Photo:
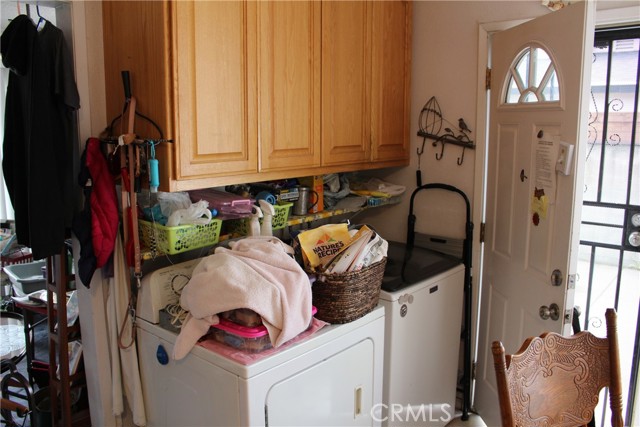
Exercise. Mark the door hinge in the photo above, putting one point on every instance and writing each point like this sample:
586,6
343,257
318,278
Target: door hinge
473,370
483,227
487,79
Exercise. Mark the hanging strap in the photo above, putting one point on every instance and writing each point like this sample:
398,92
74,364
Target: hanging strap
129,166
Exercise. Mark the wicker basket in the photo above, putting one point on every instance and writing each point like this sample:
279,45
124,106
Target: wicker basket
345,297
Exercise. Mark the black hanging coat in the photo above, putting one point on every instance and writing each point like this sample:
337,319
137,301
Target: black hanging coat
38,148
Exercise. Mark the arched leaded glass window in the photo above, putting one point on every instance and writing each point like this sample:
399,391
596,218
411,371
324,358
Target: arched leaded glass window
532,78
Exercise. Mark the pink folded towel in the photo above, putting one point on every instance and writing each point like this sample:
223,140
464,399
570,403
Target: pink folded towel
256,273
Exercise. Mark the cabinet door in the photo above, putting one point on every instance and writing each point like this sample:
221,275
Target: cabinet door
143,50
215,88
346,82
336,392
391,73
289,84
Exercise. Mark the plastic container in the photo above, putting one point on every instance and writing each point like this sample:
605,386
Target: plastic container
243,317
250,339
228,205
173,240
26,278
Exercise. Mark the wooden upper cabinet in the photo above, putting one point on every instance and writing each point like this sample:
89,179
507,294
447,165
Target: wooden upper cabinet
366,66
215,88
289,84
346,82
391,76
132,30
252,91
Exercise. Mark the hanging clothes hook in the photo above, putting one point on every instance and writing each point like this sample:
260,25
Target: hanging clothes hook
438,157
435,144
461,158
420,150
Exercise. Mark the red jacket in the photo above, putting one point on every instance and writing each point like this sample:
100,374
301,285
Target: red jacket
97,225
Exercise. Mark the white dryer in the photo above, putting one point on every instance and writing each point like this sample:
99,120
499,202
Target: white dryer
423,299
332,378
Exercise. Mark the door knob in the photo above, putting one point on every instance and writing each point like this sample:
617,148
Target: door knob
552,312
634,239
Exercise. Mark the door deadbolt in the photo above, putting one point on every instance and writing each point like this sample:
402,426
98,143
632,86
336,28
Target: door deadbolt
552,312
556,278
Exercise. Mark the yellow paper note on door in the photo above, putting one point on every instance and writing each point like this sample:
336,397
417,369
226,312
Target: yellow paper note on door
540,205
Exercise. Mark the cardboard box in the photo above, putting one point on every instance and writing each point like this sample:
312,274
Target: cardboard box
316,183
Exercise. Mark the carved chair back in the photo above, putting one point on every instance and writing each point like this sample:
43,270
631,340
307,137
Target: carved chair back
555,381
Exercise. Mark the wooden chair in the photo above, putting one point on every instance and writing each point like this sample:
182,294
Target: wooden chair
14,385
555,381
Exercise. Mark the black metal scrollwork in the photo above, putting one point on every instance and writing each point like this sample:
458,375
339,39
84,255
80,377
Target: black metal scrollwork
431,120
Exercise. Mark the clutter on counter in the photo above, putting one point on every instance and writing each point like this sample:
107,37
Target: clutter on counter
376,187
286,202
228,205
247,358
348,265
349,259
256,273
333,248
174,240
243,329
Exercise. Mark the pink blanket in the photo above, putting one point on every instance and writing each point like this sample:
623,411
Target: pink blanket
256,273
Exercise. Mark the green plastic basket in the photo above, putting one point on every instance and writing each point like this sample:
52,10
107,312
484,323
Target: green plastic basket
173,240
281,216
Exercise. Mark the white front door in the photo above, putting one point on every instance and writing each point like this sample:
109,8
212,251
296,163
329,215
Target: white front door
540,77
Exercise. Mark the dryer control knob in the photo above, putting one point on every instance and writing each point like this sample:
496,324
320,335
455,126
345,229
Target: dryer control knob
161,355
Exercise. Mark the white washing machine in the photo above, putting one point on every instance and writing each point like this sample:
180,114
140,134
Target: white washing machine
331,378
423,298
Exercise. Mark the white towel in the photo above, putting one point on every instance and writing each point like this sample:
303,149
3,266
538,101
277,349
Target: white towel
256,273
125,372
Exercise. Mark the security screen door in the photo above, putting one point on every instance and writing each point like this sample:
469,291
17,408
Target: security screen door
609,257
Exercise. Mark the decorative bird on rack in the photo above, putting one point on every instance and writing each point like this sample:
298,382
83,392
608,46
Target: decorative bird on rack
463,126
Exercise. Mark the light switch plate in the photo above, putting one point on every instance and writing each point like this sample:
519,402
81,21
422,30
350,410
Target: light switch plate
565,156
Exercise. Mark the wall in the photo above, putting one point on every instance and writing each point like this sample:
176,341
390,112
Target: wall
89,66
